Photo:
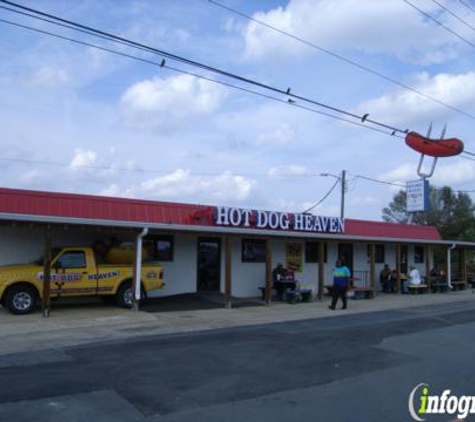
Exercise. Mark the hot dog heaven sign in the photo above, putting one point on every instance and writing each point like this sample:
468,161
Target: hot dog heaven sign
273,220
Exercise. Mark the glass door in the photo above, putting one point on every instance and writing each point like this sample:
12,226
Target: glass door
209,264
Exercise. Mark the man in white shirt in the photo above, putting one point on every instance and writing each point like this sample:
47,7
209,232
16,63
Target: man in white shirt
414,279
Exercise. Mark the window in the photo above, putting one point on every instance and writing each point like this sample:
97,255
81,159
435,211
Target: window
73,259
379,254
418,254
165,248
159,248
253,250
311,252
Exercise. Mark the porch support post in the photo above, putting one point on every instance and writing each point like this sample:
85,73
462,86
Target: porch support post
427,261
268,294
463,259
136,285
321,269
46,299
398,268
228,280
449,265
372,266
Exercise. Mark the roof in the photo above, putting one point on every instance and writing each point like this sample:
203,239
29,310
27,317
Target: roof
66,208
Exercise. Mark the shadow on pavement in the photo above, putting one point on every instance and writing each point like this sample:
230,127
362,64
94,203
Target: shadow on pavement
195,302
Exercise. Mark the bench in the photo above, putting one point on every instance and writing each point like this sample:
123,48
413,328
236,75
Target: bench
458,285
298,295
439,286
415,289
361,292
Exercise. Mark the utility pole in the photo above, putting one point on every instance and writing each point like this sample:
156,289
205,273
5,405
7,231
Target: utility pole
342,180
343,191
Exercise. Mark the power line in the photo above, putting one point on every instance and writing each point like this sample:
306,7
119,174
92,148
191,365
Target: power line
154,171
467,6
133,44
429,16
371,179
111,37
343,59
323,198
227,84
454,15
384,182
205,174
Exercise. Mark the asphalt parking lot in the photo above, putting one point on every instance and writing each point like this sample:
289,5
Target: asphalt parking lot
347,367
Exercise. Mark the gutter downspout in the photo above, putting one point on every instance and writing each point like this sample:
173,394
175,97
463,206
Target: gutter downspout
449,265
138,269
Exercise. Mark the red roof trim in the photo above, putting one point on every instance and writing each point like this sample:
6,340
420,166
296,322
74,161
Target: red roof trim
77,206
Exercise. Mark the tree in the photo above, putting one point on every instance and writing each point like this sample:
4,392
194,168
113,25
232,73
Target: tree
452,213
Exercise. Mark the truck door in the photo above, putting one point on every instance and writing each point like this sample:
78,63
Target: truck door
70,275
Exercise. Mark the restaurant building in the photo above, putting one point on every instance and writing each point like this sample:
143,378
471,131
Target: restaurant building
221,249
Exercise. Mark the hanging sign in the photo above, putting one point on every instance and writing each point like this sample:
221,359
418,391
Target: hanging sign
417,195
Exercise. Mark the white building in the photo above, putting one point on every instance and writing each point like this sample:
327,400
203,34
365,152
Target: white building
229,250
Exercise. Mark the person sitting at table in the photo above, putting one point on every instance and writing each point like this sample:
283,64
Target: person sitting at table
279,275
414,279
392,281
437,273
384,277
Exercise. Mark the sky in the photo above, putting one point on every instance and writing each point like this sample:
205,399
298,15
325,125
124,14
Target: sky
77,119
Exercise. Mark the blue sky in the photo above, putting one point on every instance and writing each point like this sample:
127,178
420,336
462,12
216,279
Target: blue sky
156,134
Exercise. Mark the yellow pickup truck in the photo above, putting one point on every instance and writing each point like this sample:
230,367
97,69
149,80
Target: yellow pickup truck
74,272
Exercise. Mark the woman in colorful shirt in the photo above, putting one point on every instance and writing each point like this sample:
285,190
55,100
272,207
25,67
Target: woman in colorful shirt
341,276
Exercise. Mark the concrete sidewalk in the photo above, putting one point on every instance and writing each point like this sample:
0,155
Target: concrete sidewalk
81,324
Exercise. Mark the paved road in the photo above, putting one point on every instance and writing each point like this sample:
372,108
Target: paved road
347,368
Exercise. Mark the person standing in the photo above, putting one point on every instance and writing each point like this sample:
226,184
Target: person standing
384,278
341,276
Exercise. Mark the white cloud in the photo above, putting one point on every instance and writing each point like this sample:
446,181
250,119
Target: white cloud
30,176
388,26
365,201
322,209
282,135
183,185
112,190
83,158
462,171
289,205
288,170
400,174
407,106
165,103
49,77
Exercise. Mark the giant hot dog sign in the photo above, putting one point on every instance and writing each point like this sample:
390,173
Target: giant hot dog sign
273,220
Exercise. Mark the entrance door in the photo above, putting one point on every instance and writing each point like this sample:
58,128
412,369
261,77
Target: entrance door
345,253
209,264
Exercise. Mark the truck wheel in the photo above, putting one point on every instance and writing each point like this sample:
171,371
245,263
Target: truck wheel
124,295
20,300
